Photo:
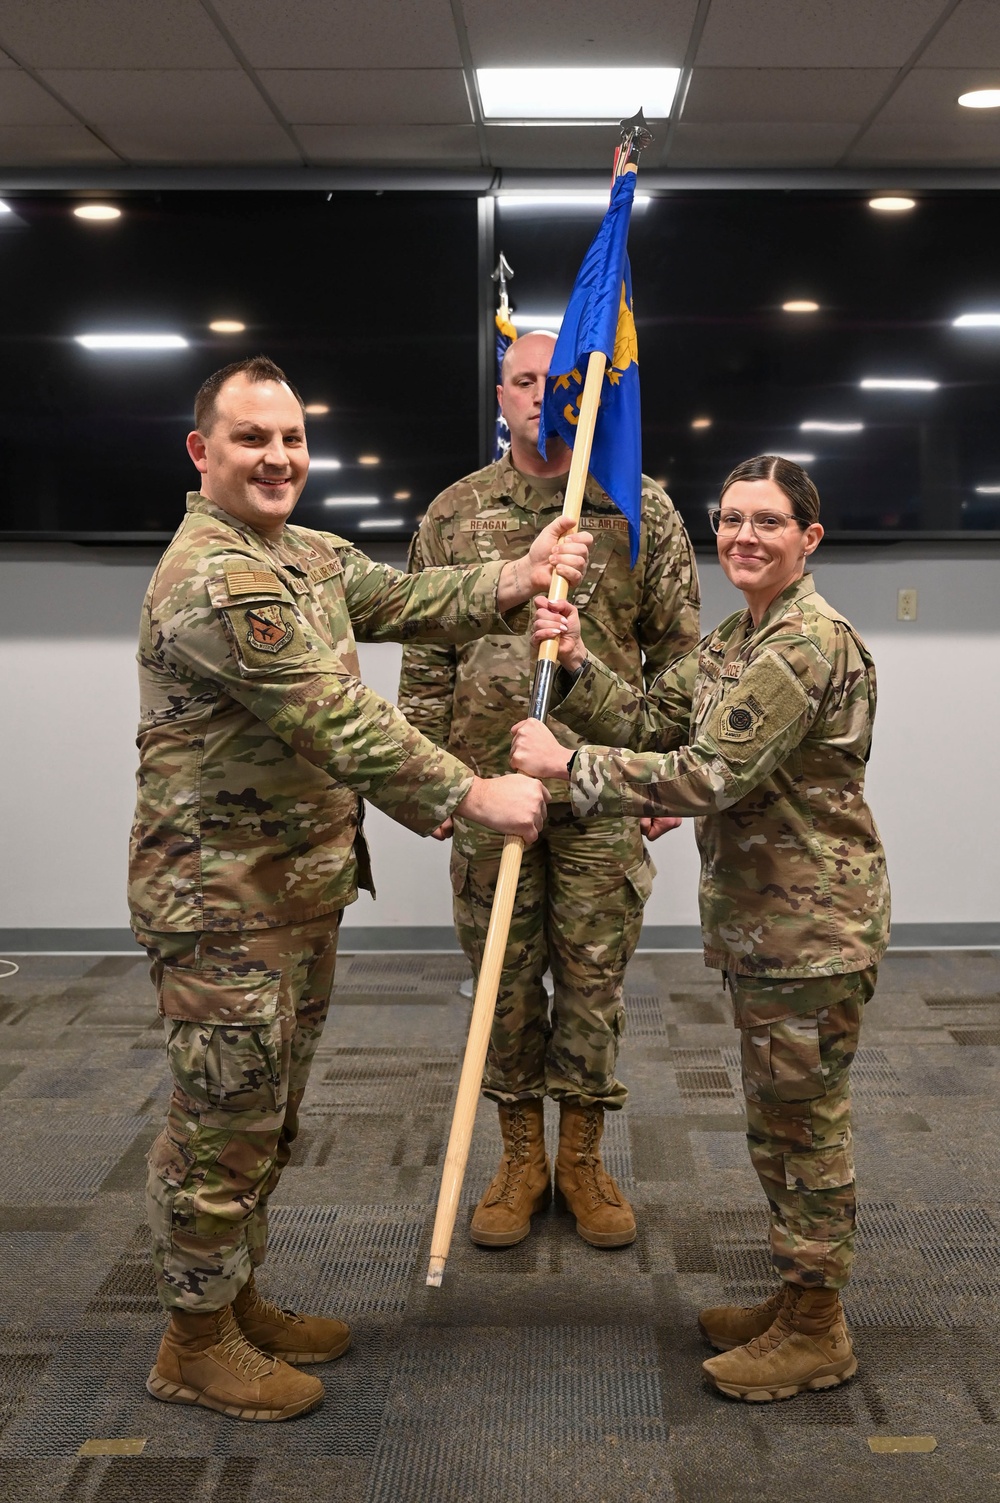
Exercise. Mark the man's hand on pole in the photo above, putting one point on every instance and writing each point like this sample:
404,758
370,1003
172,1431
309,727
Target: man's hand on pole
511,805
558,549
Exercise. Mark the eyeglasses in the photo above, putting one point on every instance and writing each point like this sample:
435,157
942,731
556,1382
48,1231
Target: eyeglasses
766,524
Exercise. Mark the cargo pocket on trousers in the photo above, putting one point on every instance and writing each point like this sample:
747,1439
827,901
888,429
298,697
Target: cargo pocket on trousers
638,890
224,1037
820,1168
784,1058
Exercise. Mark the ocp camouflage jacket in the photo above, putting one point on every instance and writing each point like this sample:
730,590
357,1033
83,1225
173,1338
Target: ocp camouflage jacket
257,736
777,721
636,620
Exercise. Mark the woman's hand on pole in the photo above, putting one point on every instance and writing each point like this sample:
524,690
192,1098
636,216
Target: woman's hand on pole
557,618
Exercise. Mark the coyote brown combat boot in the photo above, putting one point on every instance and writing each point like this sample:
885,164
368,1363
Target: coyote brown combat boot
603,1216
521,1185
726,1326
205,1359
299,1339
807,1347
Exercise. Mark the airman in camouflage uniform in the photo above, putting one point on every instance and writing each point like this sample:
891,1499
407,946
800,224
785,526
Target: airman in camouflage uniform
583,886
257,742
762,733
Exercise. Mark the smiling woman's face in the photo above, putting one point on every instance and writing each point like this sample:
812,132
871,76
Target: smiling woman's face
763,566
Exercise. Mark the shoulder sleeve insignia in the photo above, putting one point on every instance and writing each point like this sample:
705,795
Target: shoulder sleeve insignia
270,629
763,704
241,580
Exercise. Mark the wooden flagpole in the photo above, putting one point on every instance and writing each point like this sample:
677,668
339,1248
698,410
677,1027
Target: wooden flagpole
635,135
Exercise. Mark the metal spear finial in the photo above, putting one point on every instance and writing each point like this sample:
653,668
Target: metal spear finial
636,136
503,274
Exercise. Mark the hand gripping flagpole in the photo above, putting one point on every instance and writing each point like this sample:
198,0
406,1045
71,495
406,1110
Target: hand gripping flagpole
635,136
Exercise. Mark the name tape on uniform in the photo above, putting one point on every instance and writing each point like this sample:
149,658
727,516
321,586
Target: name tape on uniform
490,524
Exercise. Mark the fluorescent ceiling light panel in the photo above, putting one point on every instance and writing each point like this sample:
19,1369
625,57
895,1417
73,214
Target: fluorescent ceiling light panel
897,383
576,93
794,457
132,341
563,200
5,208
977,321
815,425
324,464
351,501
525,322
988,490
384,522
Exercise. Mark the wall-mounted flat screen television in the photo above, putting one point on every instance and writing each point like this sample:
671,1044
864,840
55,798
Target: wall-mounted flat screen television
864,343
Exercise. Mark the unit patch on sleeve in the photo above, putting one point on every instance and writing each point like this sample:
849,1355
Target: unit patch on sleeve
270,630
764,702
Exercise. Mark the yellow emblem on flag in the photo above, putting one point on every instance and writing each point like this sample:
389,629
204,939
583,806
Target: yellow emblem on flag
626,350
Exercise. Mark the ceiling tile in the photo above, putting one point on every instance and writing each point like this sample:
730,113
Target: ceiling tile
369,96
645,33
343,33
955,144
24,102
112,34
552,145
52,146
391,146
814,33
770,144
177,116
971,34
730,95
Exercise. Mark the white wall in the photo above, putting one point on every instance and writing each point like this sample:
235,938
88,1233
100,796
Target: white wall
68,712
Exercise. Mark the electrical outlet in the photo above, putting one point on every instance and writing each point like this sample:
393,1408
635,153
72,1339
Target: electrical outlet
906,605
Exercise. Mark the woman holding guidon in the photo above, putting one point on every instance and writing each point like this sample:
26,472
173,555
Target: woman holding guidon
762,732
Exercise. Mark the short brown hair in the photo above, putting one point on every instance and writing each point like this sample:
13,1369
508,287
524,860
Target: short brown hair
255,368
790,478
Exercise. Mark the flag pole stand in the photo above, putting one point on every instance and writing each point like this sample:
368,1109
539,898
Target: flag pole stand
635,137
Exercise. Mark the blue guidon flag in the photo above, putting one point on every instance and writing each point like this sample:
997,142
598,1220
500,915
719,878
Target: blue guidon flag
599,317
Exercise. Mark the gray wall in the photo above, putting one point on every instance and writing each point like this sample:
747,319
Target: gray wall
68,619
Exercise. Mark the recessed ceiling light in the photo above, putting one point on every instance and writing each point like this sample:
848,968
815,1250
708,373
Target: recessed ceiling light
898,383
980,99
816,425
892,203
401,495
368,459
227,326
97,211
317,409
800,305
564,200
794,457
381,522
977,321
701,422
132,341
351,501
576,93
324,464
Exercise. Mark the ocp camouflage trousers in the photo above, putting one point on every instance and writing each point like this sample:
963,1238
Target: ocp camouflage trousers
578,911
798,1039
242,1015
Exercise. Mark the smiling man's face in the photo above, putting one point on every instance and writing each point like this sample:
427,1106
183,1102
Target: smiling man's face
253,460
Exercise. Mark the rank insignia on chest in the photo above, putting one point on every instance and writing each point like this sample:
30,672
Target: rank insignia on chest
242,581
269,629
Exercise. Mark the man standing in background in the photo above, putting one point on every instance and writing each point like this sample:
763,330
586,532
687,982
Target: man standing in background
257,743
583,885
